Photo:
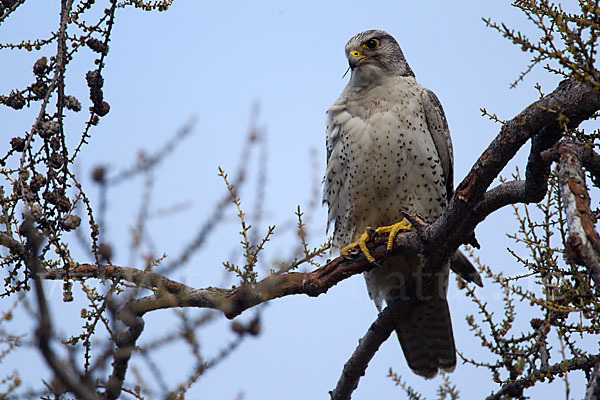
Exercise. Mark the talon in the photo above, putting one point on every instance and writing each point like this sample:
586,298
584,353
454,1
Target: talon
372,232
393,230
362,244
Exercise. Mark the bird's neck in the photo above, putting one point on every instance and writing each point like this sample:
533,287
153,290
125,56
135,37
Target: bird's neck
363,78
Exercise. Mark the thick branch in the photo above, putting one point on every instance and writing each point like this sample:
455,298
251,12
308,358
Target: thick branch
13,245
575,101
583,243
589,158
593,387
572,99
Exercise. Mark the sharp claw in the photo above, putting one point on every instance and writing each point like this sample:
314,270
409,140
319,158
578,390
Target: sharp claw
372,231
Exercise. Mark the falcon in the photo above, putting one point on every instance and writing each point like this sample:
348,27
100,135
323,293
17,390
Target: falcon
389,153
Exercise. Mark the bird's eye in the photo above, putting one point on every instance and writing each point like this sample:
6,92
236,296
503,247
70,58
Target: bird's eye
371,44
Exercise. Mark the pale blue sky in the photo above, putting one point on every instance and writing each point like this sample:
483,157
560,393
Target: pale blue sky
213,61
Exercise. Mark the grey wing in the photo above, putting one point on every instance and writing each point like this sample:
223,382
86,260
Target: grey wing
438,127
333,181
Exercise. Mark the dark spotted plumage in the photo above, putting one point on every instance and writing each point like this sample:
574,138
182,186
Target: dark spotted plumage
389,152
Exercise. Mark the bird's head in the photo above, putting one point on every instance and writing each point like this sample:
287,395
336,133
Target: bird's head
377,53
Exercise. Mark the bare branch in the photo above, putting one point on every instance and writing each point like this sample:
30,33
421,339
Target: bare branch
13,245
231,302
583,243
125,346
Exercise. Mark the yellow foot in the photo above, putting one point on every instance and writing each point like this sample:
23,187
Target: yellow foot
402,226
362,244
367,235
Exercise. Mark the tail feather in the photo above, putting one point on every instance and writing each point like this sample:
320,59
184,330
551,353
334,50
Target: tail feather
426,338
463,267
426,333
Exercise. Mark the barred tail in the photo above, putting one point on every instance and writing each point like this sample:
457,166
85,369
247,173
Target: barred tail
426,338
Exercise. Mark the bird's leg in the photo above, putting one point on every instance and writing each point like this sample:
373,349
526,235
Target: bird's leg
369,233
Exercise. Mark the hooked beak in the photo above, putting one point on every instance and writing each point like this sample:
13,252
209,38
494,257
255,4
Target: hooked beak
355,58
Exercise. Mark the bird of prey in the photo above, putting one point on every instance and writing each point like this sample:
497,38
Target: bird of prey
389,154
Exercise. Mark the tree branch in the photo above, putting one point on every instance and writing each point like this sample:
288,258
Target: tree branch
378,332
570,99
10,9
232,302
593,388
583,243
14,246
515,389
472,202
